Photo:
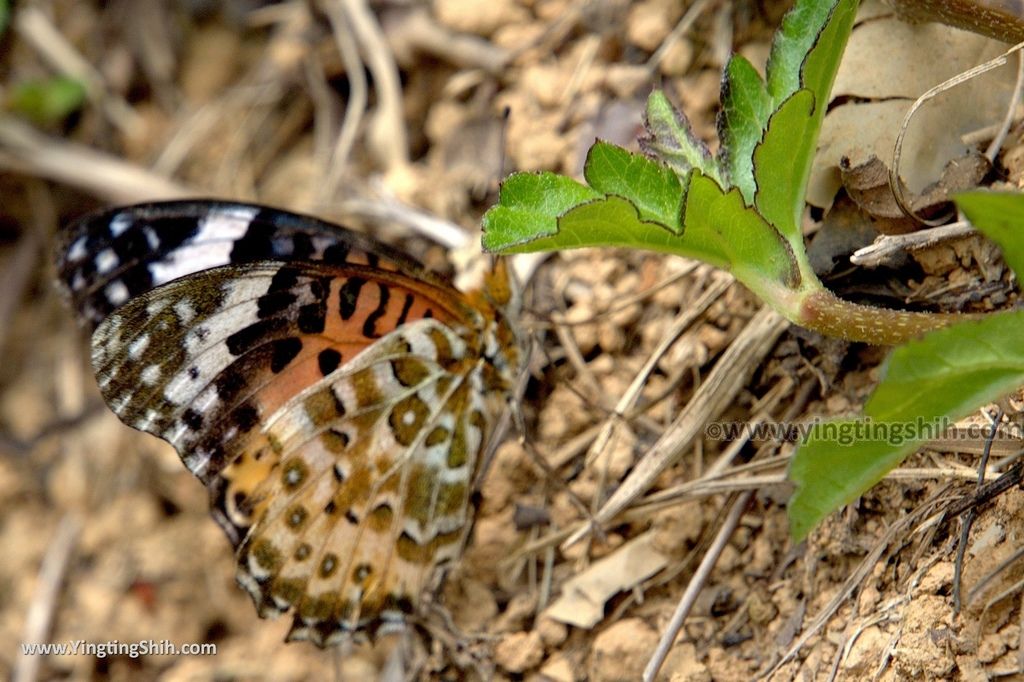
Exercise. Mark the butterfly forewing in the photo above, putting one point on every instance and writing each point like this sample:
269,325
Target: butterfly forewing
334,399
109,257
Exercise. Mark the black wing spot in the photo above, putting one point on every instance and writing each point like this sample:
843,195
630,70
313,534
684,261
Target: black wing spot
284,279
350,296
302,246
246,416
312,318
257,332
274,302
192,419
230,383
336,253
284,351
370,325
339,475
406,307
329,360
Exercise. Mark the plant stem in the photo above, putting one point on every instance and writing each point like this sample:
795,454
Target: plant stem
824,312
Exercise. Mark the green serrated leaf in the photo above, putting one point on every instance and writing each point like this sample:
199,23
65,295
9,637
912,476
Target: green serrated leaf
746,107
608,221
47,101
780,170
1000,216
529,207
544,211
615,221
550,193
819,68
802,67
654,189
671,138
945,375
800,31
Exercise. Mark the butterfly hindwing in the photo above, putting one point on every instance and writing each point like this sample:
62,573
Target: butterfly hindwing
373,485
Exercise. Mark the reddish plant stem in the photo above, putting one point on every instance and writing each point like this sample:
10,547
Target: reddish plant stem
824,312
999,19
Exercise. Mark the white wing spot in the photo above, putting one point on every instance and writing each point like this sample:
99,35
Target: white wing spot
118,404
77,251
151,239
106,260
210,248
151,418
150,375
184,310
120,223
137,347
117,293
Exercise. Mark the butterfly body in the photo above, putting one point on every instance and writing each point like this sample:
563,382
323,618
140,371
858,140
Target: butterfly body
335,398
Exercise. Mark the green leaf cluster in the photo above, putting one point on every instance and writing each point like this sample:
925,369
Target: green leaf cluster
739,210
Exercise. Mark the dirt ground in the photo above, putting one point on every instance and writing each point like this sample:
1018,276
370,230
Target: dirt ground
104,535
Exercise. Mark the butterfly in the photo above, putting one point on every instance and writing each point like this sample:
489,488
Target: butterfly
334,397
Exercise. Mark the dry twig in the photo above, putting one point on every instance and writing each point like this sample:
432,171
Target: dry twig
388,135
696,583
25,150
44,601
720,388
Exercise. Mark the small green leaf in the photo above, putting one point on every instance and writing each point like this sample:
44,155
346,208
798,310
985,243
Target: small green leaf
801,31
944,375
653,188
549,193
544,211
1000,215
671,138
5,15
529,207
608,221
719,221
746,108
47,101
